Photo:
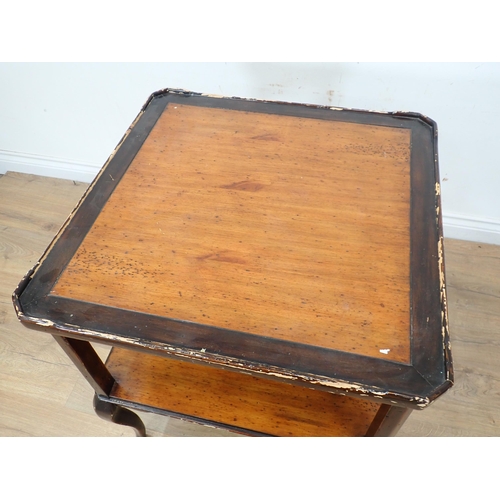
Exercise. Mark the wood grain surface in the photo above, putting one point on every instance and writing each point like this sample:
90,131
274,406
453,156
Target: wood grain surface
235,399
42,393
279,226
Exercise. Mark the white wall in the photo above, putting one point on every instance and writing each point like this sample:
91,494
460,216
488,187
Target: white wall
64,119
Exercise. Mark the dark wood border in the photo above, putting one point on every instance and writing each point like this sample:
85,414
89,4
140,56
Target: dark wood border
414,385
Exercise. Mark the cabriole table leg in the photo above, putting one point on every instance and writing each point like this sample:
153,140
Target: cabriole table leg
119,415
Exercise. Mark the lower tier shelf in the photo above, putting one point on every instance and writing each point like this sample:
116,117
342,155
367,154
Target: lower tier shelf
234,400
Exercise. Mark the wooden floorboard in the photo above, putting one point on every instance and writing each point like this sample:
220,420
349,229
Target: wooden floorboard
42,394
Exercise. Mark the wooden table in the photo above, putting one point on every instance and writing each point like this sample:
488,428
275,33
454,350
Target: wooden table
270,268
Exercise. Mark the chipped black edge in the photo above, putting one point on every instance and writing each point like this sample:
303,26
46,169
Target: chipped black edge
442,347
327,384
188,93
448,360
19,290
446,343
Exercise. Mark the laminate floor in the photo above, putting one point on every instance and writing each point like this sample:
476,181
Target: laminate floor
42,393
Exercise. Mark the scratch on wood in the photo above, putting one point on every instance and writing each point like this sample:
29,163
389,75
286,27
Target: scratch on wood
266,137
245,186
222,256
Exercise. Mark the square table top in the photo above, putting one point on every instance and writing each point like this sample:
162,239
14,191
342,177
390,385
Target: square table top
286,240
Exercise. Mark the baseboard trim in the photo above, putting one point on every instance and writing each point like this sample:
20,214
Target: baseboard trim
455,226
47,166
461,227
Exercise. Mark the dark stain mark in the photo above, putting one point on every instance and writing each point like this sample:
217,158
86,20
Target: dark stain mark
266,137
221,257
244,186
